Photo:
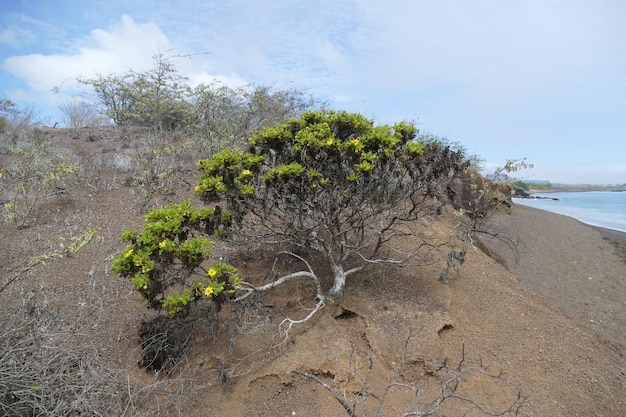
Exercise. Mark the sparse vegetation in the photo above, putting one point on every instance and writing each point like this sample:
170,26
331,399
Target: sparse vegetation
176,120
323,194
15,123
36,171
215,116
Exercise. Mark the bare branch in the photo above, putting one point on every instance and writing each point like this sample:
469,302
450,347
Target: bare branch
448,378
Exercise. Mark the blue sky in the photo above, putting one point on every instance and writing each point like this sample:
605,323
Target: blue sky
543,80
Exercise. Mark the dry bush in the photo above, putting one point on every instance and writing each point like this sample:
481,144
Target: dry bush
51,365
47,369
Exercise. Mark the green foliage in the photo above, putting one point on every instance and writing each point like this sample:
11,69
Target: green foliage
546,186
520,184
161,260
327,179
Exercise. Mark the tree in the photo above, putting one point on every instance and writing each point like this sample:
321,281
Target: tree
226,117
219,116
334,183
7,108
330,182
157,98
15,122
78,113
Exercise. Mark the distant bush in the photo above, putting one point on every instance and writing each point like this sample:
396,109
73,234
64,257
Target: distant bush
79,113
15,123
226,117
155,99
538,186
217,116
158,162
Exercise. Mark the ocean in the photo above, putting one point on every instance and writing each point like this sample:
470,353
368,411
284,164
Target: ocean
598,208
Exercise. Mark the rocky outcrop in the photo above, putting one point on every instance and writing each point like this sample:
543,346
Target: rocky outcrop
477,195
521,193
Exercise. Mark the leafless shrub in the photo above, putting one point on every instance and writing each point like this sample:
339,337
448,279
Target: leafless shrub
50,365
160,164
123,163
79,113
45,372
37,171
16,124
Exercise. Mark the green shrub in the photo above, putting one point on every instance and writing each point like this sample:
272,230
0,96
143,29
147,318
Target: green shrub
161,260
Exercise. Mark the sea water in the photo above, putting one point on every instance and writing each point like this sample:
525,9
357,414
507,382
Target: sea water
598,208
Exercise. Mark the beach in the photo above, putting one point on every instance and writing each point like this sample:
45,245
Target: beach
581,268
616,236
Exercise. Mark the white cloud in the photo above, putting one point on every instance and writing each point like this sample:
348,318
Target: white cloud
127,45
510,79
495,51
15,37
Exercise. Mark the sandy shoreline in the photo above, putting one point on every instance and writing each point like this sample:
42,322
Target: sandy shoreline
580,267
616,236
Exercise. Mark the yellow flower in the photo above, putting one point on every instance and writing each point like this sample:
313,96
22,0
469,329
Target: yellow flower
329,142
197,188
246,172
212,272
130,252
163,244
208,292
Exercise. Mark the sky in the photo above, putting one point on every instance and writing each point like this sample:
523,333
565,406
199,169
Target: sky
543,80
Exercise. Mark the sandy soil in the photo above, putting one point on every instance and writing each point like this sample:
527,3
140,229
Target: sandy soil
580,267
550,326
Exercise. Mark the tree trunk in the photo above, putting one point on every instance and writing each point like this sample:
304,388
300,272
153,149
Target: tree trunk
340,279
